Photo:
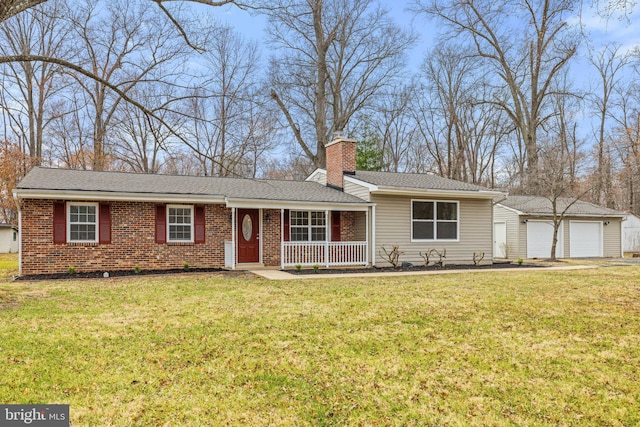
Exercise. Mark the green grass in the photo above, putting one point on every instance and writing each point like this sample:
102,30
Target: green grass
8,265
543,348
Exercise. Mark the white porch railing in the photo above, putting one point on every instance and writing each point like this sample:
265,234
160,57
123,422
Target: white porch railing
324,253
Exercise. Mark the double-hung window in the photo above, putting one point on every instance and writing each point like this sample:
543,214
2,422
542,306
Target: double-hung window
82,222
308,226
434,220
180,223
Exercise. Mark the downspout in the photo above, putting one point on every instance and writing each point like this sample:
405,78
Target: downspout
621,236
17,200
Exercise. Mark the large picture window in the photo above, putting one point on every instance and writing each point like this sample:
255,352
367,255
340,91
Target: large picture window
82,222
434,220
308,226
180,223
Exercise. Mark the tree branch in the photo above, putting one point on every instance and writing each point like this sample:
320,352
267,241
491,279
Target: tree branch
114,88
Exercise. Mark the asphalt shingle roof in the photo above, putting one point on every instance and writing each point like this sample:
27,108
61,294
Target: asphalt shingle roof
537,205
240,188
421,181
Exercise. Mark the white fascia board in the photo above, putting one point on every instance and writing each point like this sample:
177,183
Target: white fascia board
116,196
486,194
569,216
282,204
511,209
315,173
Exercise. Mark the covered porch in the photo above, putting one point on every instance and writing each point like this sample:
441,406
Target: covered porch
304,236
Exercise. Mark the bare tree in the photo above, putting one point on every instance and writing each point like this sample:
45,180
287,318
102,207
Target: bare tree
136,49
610,64
222,113
11,8
560,178
460,131
30,87
626,141
335,56
396,127
14,165
526,56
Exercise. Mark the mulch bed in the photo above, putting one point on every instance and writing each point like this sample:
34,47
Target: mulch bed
116,273
413,268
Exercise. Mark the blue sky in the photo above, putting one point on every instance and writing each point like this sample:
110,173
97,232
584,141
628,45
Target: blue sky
619,29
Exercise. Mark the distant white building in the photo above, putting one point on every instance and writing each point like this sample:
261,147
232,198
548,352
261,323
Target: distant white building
631,233
8,238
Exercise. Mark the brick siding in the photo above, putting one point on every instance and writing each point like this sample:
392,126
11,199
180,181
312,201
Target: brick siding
132,241
271,236
347,226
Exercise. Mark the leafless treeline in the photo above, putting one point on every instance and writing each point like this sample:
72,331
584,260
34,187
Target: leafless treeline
502,97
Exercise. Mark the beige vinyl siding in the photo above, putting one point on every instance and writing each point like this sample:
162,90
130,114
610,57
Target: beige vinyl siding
512,219
320,178
612,245
357,190
393,226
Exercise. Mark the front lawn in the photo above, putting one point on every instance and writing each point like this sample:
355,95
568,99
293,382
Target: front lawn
509,348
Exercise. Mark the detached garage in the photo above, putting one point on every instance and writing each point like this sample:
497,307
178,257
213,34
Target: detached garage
525,229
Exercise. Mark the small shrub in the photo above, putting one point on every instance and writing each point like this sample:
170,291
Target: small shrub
72,270
434,252
392,256
520,261
478,257
185,266
316,267
137,269
298,267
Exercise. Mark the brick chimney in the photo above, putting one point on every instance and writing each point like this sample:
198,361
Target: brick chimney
341,160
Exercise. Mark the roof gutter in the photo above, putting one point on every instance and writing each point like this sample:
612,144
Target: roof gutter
115,196
482,194
232,202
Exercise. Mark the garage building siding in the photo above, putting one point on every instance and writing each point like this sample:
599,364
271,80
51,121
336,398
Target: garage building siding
511,218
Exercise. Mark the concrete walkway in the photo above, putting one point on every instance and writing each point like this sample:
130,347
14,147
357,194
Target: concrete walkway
283,275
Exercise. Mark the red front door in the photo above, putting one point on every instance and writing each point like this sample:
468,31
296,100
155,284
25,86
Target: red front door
248,231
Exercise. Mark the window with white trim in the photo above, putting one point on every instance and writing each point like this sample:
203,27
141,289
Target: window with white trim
307,226
434,220
180,223
82,222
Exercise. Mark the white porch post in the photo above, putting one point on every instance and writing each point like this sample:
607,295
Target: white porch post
233,238
282,238
327,224
373,236
366,237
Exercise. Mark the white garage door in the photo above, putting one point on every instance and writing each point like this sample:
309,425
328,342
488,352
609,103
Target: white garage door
586,239
539,239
